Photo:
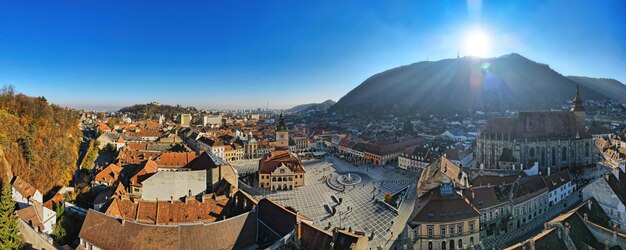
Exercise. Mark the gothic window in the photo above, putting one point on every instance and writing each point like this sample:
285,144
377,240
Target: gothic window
587,149
563,154
532,152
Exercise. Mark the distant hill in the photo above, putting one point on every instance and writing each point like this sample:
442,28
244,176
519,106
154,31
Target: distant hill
609,87
151,110
464,85
303,108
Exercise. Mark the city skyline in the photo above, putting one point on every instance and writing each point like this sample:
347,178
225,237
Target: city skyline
240,55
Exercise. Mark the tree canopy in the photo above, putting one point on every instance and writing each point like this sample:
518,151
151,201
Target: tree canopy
9,229
39,140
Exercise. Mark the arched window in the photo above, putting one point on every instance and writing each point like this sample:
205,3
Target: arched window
460,243
586,149
443,245
563,154
430,245
532,152
472,241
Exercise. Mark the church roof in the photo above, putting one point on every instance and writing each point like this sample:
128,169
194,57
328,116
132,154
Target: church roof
534,125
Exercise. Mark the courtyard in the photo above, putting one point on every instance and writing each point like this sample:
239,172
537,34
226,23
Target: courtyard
361,208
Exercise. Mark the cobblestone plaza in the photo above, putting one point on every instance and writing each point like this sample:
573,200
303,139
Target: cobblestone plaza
359,209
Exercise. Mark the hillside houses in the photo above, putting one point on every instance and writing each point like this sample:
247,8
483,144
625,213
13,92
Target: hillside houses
38,214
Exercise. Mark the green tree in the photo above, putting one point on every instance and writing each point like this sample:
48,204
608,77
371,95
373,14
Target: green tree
60,234
9,230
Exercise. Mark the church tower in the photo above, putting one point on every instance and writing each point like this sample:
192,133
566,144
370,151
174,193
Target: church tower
282,133
578,109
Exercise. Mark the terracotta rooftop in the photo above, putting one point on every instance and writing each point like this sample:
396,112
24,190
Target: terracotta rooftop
168,212
235,233
385,148
444,208
127,156
527,188
486,180
109,174
424,154
175,159
32,215
273,160
23,187
485,197
147,167
557,180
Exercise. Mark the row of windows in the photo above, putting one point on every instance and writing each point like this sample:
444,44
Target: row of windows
263,177
451,243
459,229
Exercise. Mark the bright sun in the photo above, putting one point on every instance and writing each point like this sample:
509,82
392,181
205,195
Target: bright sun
477,43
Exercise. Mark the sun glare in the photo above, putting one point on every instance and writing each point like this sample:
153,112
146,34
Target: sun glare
477,43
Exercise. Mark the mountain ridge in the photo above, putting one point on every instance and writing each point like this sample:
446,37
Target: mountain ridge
303,108
463,85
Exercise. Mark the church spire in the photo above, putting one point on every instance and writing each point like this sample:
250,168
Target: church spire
281,124
577,104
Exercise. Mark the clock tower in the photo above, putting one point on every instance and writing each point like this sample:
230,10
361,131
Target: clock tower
282,133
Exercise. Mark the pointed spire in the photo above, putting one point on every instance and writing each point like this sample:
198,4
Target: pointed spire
577,104
281,123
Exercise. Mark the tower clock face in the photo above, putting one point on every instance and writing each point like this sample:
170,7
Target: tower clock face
282,136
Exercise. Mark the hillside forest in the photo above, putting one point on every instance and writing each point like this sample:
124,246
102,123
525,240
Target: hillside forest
38,141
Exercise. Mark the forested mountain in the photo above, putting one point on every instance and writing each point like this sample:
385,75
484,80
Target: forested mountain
312,106
609,87
39,141
152,110
463,85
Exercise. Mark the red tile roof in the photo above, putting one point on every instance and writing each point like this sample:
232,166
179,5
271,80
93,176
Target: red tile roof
148,167
273,160
23,187
168,212
175,159
109,174
444,208
238,232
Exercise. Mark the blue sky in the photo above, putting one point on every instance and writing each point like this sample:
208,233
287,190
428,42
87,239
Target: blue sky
240,54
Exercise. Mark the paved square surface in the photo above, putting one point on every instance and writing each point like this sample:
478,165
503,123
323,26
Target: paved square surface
365,214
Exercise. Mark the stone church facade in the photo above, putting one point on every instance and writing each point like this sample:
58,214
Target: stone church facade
553,139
